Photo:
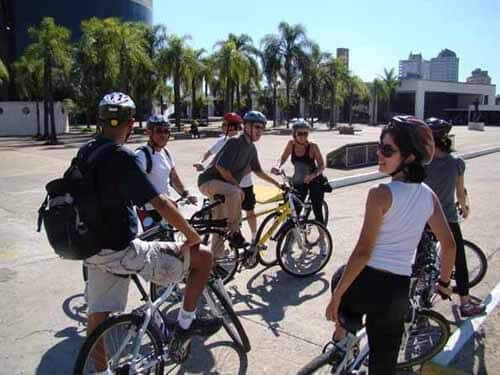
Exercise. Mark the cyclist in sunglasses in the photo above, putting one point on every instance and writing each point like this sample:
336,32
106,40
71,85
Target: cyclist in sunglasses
376,279
223,176
157,162
309,165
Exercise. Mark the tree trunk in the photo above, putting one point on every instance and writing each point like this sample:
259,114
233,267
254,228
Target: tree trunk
227,99
162,105
193,97
275,99
53,135
332,105
38,119
45,100
238,95
334,102
287,114
177,101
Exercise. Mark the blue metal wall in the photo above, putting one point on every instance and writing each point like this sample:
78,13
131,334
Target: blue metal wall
70,13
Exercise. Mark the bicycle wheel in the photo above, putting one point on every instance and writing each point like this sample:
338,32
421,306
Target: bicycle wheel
322,364
231,322
426,337
118,333
477,264
304,250
267,255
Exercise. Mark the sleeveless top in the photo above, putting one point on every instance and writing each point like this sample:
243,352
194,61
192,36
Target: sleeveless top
402,227
304,165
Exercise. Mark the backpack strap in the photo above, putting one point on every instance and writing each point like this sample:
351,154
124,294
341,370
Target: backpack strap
168,154
149,160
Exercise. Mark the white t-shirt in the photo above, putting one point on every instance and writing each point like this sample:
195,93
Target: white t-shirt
247,180
162,165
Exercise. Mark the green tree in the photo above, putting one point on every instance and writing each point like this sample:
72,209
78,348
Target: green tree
293,43
236,60
271,67
196,73
375,89
311,65
390,83
51,45
29,83
4,73
356,89
334,74
174,61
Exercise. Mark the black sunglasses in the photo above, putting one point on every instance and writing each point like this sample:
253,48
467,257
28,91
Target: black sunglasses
386,150
161,129
305,134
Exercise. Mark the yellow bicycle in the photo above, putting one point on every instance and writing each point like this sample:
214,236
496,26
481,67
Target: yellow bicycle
303,246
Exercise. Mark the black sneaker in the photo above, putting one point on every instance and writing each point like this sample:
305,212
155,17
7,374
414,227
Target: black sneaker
181,338
238,241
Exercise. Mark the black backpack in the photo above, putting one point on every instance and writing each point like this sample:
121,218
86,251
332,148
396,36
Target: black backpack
71,210
149,160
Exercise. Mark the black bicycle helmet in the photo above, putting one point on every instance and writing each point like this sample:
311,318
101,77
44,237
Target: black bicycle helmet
116,108
438,126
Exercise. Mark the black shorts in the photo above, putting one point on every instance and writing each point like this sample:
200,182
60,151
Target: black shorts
248,203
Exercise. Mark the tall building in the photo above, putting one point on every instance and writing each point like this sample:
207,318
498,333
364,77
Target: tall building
480,77
16,16
444,67
343,54
414,67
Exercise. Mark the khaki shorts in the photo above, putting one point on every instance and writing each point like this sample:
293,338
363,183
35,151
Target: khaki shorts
154,261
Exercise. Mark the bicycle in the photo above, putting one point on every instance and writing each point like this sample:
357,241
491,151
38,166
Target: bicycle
312,239
267,253
125,351
425,334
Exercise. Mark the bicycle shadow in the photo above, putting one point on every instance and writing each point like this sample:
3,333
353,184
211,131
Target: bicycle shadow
275,292
211,359
60,359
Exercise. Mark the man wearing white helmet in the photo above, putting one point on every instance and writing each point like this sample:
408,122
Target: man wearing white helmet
158,162
120,184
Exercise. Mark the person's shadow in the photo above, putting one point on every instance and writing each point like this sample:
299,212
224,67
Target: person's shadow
276,292
60,359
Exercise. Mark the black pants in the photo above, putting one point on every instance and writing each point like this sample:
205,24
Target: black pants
317,196
461,271
383,297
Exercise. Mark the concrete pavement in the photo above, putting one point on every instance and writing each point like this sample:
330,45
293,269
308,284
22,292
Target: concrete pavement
42,313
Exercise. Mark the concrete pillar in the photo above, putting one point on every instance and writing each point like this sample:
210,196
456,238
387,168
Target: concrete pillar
373,112
420,103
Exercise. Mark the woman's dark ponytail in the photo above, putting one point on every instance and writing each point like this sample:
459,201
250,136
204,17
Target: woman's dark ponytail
414,172
443,143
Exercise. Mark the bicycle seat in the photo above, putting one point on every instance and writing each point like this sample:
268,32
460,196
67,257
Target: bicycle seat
352,323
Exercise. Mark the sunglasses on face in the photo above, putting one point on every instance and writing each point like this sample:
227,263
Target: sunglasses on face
302,134
387,150
160,130
258,127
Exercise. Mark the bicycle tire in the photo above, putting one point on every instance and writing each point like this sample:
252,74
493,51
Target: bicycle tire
477,264
421,323
265,256
325,209
287,251
129,320
231,322
85,273
322,364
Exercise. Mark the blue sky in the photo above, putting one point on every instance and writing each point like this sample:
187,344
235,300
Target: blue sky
378,33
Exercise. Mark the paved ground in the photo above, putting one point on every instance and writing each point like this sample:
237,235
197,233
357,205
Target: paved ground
41,319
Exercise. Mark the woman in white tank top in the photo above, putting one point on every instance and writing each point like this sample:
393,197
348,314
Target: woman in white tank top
376,279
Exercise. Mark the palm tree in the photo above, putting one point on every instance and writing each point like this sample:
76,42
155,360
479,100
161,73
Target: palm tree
4,73
29,82
309,86
375,92
51,45
271,66
293,43
389,84
174,60
237,62
356,88
334,73
196,72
